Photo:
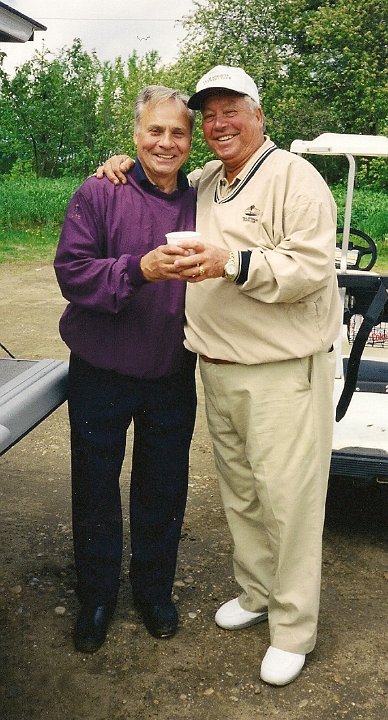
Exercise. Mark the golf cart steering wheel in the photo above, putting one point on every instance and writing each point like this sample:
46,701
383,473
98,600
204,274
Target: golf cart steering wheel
364,246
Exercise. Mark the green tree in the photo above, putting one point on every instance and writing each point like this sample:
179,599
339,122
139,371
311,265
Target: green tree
49,111
320,66
348,63
121,82
344,62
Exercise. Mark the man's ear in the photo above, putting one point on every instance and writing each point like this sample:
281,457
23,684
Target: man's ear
260,117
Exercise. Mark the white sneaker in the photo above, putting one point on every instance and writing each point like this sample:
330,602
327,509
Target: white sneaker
231,616
280,667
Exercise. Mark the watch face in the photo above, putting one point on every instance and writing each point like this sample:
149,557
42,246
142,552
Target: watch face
230,269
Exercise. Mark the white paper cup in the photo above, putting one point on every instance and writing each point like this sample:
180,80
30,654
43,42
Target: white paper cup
174,238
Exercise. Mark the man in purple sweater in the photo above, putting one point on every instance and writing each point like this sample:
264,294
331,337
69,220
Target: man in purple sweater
124,327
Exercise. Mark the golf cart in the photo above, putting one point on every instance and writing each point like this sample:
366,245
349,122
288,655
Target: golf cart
360,443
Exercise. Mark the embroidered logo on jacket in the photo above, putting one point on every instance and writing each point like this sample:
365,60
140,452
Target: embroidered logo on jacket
251,214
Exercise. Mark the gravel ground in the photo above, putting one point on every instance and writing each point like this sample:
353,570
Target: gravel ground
203,673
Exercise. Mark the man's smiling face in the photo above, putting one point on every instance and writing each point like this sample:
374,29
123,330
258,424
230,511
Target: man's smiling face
163,140
232,128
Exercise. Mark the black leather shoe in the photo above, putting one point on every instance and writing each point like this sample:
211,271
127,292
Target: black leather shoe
91,627
160,620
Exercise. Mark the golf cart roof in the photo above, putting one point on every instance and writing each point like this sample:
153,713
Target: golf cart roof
342,144
351,146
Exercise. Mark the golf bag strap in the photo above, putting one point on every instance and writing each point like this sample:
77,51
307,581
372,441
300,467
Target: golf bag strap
371,318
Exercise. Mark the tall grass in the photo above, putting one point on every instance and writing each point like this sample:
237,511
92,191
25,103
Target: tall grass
369,214
34,201
369,211
32,210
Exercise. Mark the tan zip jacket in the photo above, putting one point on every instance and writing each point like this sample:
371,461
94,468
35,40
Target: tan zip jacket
289,306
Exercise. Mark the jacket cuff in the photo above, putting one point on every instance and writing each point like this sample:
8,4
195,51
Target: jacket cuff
135,275
245,259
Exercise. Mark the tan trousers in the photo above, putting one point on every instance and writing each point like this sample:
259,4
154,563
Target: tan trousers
272,427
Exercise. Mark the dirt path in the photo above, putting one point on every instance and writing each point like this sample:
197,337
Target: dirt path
203,673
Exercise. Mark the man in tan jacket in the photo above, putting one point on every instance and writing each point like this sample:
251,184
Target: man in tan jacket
263,311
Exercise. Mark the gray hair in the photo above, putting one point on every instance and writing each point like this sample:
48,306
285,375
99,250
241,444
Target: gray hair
253,104
154,94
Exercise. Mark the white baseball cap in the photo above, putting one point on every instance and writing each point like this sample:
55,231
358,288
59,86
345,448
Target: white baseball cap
224,77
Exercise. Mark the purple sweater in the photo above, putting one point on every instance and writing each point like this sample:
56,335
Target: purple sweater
116,319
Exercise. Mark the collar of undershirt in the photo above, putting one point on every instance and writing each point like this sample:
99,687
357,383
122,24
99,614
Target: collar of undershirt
225,192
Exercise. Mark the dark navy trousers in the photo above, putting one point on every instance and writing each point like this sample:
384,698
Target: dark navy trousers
102,405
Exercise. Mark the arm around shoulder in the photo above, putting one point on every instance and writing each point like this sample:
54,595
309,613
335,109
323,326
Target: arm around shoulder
115,168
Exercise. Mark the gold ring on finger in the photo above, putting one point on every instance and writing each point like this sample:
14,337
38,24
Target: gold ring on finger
202,270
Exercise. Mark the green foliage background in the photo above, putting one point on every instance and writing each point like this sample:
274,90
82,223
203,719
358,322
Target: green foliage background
320,67
32,210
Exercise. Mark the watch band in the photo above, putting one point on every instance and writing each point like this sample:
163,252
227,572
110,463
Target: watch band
231,274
